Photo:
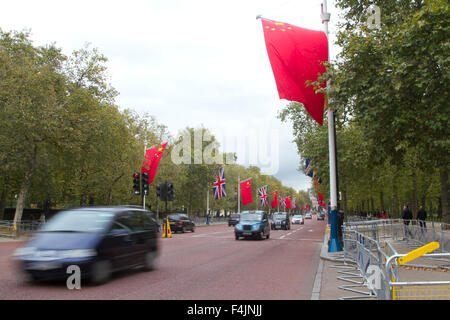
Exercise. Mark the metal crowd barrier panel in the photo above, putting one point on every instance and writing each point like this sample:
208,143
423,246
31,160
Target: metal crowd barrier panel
9,229
416,233
377,260
416,290
431,290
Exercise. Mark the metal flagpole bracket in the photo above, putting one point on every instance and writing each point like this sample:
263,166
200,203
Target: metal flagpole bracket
324,15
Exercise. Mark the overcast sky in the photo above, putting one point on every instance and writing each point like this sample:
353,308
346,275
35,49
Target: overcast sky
187,62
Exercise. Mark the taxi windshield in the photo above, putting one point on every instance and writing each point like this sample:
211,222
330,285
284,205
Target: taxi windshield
279,217
251,217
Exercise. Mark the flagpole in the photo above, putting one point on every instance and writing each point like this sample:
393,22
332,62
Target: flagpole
334,244
143,195
239,193
207,201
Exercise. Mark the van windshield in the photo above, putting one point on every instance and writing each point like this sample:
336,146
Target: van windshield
78,221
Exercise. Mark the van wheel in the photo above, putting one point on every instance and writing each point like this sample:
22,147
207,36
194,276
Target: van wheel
150,260
101,272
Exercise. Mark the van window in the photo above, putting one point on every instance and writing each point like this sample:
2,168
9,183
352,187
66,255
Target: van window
137,221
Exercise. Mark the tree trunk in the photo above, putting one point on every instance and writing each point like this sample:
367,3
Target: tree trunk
395,212
414,192
444,194
25,187
3,198
381,200
344,201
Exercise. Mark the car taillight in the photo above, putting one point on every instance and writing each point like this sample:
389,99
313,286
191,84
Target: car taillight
180,223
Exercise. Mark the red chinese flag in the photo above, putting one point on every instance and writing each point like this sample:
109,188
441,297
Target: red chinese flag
246,192
151,161
274,202
296,56
320,196
288,203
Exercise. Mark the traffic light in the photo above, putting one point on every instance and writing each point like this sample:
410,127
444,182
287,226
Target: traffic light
158,190
145,183
161,191
137,183
170,194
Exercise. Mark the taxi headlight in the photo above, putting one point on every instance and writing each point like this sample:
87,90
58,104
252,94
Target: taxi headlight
256,226
239,226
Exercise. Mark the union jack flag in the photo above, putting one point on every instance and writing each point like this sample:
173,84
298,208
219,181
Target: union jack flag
219,185
307,166
283,202
263,195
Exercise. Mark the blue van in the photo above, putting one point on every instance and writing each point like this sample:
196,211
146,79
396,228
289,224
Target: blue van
99,240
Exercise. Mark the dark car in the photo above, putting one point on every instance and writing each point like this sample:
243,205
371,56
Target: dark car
233,219
280,220
253,224
99,240
321,216
181,222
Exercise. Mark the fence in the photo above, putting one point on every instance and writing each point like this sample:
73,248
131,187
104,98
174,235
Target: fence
367,244
8,229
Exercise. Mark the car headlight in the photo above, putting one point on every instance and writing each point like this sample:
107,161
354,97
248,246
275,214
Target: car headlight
256,226
78,253
24,251
239,226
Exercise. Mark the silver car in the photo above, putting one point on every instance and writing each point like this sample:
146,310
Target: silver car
298,219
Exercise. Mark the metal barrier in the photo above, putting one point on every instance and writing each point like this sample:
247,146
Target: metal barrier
415,233
430,290
9,229
416,290
366,244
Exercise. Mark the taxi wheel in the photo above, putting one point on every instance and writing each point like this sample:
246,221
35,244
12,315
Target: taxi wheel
236,237
193,229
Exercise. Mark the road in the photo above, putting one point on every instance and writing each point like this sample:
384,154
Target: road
206,265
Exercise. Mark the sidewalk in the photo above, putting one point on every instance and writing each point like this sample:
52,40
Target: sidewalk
326,285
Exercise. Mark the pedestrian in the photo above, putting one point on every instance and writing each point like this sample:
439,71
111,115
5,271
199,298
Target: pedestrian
384,215
407,217
422,216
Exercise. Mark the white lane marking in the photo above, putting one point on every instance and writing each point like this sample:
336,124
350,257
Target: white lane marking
317,282
208,234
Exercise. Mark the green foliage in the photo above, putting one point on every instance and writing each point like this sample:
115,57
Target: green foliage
390,89
64,140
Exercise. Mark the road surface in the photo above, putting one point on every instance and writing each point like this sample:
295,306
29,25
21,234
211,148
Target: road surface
206,265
